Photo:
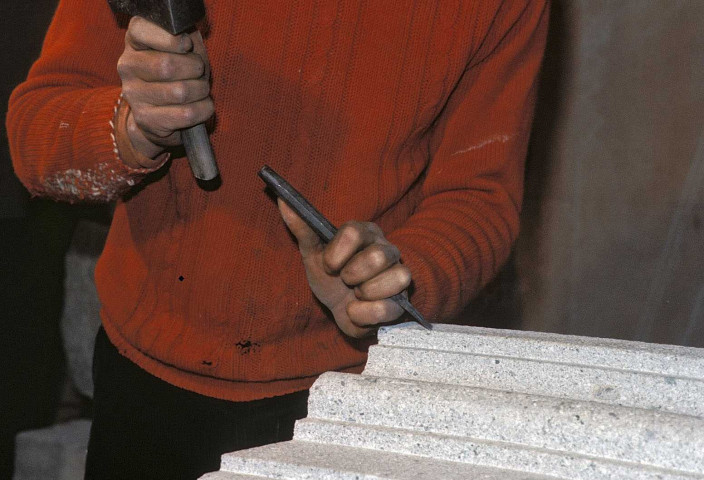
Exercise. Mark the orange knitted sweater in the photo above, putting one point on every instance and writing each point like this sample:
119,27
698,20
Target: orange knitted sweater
412,114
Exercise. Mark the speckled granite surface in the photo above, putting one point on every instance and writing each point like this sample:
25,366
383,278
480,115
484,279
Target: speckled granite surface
463,402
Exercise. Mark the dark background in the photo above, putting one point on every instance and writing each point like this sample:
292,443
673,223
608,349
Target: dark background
34,236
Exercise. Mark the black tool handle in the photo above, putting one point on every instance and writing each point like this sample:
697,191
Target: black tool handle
298,203
199,152
323,227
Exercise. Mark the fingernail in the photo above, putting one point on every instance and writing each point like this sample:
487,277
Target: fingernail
186,43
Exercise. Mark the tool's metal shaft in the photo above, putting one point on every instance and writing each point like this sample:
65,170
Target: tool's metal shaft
323,227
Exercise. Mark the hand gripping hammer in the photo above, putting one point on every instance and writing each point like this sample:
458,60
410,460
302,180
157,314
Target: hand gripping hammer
175,16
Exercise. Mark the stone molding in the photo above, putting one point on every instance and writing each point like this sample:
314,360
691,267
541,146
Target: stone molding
463,402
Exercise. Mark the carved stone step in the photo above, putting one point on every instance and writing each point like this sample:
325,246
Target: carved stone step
648,437
462,402
670,360
478,452
230,476
663,378
305,460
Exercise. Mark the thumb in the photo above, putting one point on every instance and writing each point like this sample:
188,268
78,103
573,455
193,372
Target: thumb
308,240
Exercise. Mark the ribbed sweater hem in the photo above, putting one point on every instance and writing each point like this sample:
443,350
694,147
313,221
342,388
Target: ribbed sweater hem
232,390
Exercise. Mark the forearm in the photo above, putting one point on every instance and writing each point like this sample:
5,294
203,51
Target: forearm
463,229
63,143
453,247
61,120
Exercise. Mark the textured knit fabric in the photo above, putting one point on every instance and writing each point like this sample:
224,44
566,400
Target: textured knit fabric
412,114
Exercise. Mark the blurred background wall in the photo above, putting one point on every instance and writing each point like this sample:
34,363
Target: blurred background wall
612,242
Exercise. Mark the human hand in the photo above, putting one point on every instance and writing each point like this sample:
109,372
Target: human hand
166,81
354,275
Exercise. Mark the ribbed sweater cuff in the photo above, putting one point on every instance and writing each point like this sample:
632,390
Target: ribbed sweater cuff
96,170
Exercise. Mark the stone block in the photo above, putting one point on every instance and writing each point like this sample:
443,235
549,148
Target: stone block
54,453
229,476
634,374
556,464
462,402
587,428
81,316
666,360
555,378
315,461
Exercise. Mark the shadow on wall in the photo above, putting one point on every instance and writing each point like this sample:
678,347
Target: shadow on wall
499,304
612,224
541,161
549,111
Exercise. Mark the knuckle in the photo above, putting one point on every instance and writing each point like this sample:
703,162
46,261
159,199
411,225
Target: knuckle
173,43
377,257
135,31
132,26
373,227
179,92
123,67
187,115
135,22
165,67
351,231
380,311
330,261
404,276
133,127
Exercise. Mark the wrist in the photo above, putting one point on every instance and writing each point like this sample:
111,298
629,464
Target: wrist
135,150
140,142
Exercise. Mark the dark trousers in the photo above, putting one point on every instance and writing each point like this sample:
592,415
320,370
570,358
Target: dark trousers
32,252
145,428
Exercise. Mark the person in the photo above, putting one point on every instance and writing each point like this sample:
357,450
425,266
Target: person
405,122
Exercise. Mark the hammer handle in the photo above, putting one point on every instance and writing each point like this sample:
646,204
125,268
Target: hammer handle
199,152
